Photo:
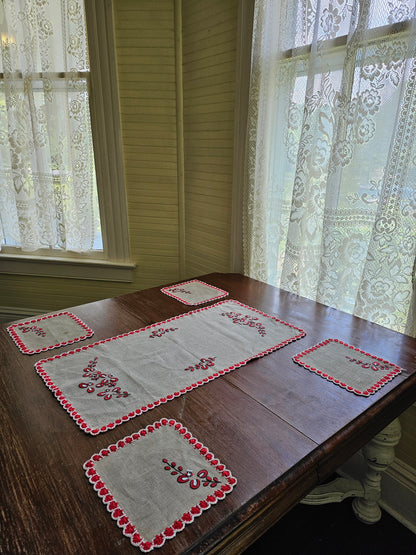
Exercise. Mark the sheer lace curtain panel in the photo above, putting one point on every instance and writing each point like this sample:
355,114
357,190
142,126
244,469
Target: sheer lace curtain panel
330,188
48,194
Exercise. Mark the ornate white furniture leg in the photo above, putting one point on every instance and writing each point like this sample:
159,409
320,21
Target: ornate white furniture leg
379,453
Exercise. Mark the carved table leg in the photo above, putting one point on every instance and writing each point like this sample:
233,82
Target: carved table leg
379,453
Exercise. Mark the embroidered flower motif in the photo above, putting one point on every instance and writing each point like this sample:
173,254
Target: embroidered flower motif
75,108
374,365
377,291
330,21
98,380
161,331
35,329
246,320
203,364
186,476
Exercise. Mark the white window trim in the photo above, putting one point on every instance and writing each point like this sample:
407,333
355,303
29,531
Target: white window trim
115,264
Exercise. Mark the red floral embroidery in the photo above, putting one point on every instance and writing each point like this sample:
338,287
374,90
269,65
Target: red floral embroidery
203,364
161,331
246,320
181,290
375,365
99,379
185,476
36,329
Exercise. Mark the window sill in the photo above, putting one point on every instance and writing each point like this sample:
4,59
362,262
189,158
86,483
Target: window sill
85,268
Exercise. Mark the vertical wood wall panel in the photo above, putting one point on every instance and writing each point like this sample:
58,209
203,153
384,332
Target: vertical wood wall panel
209,43
145,51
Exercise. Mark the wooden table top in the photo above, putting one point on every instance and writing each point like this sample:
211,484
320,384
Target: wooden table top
279,428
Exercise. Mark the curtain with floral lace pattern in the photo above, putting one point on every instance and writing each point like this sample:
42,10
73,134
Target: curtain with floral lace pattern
48,195
330,192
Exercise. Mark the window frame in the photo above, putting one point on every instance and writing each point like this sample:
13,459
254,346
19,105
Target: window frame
113,263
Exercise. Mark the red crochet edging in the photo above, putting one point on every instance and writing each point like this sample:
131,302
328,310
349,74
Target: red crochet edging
371,390
118,514
95,431
222,294
21,344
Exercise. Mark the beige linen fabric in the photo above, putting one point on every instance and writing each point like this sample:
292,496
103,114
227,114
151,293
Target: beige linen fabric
348,366
194,292
156,363
48,332
148,494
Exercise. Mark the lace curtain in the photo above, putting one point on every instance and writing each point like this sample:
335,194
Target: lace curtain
330,193
48,196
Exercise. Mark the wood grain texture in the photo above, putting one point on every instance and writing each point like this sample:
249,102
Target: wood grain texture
279,428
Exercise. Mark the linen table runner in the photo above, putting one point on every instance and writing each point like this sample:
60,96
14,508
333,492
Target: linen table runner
156,481
194,292
108,382
347,366
48,332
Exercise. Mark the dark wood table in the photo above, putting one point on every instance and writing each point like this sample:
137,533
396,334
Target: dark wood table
279,428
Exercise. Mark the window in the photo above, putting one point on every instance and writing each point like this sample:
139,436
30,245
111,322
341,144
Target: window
331,196
49,206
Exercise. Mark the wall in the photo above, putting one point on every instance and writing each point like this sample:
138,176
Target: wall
145,49
146,61
209,59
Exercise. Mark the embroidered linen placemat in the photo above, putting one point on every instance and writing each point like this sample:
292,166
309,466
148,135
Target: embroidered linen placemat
194,292
48,332
156,481
348,366
108,382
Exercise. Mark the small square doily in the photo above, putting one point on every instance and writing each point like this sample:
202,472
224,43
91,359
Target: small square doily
194,292
48,332
347,366
156,481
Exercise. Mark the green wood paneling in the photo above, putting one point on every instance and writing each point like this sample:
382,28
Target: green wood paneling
209,55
